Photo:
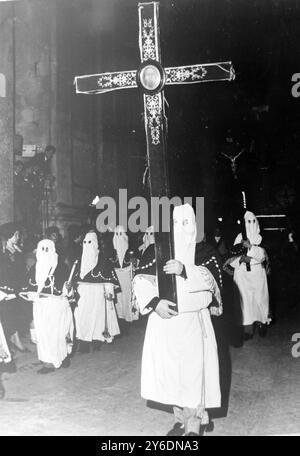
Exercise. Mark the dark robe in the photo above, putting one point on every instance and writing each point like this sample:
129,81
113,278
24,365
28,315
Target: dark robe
15,314
147,264
89,329
207,255
103,272
131,256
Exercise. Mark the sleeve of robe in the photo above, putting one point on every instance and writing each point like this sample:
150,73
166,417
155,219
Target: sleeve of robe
198,279
5,355
238,239
144,290
2,295
257,253
201,287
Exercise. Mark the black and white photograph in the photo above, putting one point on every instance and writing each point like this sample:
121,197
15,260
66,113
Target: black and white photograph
149,220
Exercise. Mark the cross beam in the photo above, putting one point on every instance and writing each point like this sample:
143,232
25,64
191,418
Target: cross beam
191,74
151,78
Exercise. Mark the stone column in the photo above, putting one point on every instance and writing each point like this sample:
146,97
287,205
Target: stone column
6,116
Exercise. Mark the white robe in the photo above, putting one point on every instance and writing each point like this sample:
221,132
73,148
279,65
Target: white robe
53,323
5,355
180,362
125,305
252,285
90,312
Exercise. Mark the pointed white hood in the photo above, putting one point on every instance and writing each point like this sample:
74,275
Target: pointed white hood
90,253
120,242
46,262
252,228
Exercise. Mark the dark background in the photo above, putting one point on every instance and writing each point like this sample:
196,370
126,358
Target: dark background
261,38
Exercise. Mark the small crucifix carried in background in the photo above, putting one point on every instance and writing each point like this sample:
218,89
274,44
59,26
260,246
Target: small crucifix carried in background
232,159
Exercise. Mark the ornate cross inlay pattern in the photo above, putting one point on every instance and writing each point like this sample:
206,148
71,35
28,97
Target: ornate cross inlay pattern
183,74
117,80
153,109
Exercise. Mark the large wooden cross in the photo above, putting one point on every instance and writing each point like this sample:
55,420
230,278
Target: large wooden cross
151,78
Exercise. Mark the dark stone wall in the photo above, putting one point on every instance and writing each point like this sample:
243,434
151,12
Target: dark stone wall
35,24
76,122
6,116
53,44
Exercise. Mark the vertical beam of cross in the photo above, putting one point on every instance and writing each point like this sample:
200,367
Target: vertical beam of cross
155,127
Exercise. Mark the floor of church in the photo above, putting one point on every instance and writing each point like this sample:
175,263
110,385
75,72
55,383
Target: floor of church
100,393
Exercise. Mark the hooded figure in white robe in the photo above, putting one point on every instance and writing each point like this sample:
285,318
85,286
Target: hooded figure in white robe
124,305
95,314
148,239
5,355
52,315
180,361
252,284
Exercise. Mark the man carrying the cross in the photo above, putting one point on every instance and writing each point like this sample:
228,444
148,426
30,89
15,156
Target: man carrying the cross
180,361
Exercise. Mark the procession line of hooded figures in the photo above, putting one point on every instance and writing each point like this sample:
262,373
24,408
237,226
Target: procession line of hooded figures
180,358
